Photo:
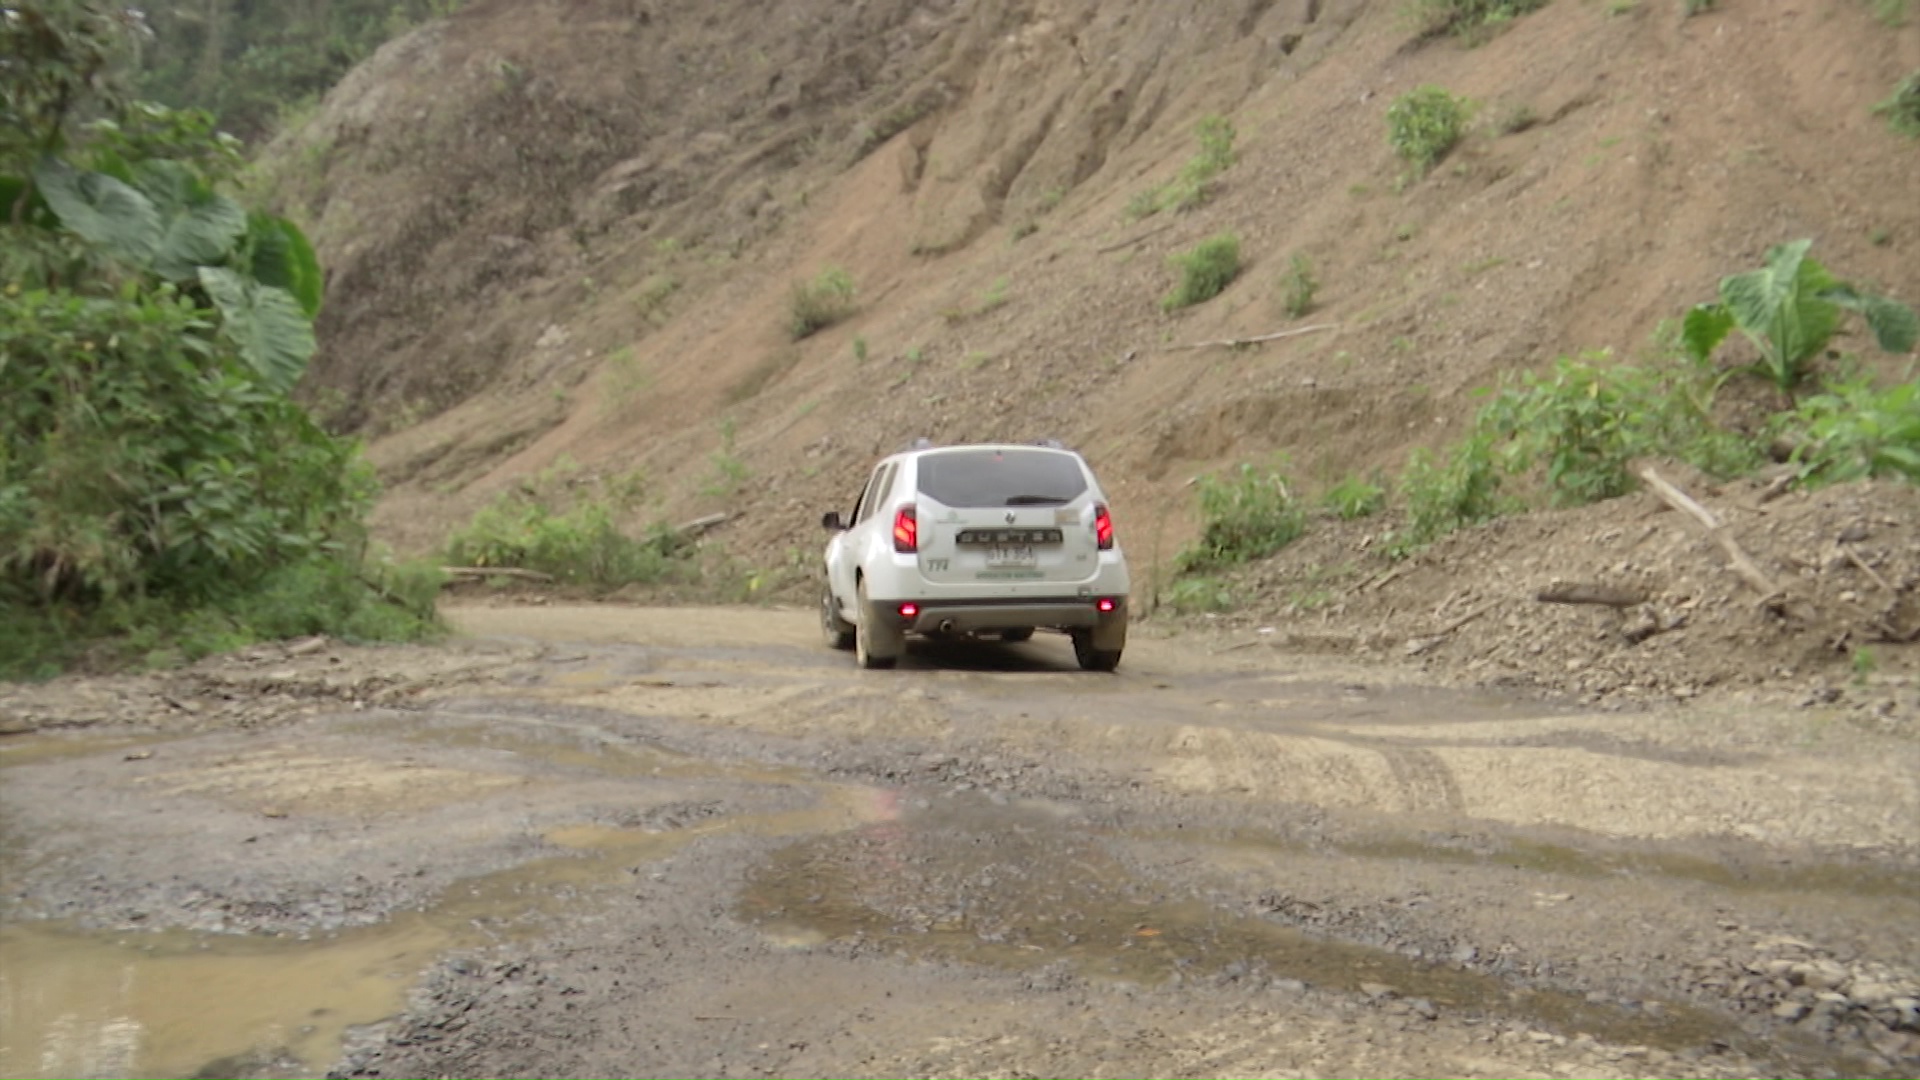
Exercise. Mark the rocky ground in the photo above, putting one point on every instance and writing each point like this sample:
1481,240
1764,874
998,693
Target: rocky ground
613,841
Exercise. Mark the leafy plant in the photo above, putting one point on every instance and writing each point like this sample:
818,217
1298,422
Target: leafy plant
1205,272
1424,123
1200,595
1354,498
1246,514
1443,495
1471,20
1854,431
1300,286
817,304
577,541
1193,187
1902,109
1789,309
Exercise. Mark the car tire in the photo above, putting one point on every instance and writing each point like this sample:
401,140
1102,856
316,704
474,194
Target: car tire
1015,637
875,647
1090,658
837,632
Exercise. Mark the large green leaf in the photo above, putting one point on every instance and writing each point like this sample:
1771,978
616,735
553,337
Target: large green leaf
199,227
1706,327
36,212
274,335
104,211
1895,327
282,257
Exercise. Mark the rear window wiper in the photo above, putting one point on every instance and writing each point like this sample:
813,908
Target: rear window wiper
1037,500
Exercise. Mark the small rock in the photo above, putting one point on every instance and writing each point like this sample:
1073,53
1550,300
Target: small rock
1423,1008
1288,986
1378,990
1790,1010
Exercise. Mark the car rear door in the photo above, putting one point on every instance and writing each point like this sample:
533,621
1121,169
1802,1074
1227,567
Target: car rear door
1005,519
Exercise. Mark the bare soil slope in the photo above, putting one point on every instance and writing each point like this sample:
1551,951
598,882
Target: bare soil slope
570,231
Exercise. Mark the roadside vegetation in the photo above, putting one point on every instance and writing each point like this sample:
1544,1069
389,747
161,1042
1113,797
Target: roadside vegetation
1572,435
567,529
1902,109
161,494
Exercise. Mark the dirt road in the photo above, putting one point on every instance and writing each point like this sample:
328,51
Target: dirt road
622,841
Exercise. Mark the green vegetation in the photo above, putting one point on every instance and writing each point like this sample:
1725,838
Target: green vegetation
1205,272
1902,110
1473,21
1200,596
820,303
1354,498
1854,431
1424,123
1247,514
1299,285
1789,309
250,64
161,495
1194,186
577,541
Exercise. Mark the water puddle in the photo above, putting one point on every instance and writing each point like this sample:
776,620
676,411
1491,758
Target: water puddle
1835,878
41,749
182,1004
1009,889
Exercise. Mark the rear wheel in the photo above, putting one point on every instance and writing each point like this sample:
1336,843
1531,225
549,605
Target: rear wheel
876,647
1090,658
837,632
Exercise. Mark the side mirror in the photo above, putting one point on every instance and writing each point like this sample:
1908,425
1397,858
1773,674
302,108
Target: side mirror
831,520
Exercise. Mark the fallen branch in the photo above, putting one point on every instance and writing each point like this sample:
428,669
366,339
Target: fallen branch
1770,596
495,571
1854,558
1129,243
1380,581
1234,343
1581,593
1776,488
702,524
1417,646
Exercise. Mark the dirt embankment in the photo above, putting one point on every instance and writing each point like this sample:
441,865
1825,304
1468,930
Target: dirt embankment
569,235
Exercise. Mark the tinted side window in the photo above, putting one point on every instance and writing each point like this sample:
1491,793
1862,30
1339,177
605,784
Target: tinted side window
876,491
1010,477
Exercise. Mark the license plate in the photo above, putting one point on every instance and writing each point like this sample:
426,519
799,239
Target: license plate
1010,555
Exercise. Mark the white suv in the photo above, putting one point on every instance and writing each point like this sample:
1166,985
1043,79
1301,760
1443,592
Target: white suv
995,539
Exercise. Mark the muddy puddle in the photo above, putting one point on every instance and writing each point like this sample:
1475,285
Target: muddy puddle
180,1004
1009,888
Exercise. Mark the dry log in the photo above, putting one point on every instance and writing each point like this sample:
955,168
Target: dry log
1129,243
1417,646
702,524
1854,558
1575,592
1743,565
495,571
1230,343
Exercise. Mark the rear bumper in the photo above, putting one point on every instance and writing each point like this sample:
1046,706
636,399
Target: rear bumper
968,616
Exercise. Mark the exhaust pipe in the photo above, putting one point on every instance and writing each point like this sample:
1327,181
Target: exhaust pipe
946,626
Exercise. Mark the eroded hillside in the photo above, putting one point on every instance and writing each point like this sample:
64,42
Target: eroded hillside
569,232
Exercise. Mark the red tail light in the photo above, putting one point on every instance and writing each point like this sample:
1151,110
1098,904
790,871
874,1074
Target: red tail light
1103,526
906,530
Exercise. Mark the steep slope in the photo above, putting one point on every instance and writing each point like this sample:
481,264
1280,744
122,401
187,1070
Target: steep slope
569,231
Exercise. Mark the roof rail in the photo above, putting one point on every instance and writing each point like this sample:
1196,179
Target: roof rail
920,443
1051,444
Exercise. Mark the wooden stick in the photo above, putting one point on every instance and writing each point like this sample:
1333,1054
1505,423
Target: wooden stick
1135,240
1743,565
1582,593
495,571
1417,646
1236,342
1854,557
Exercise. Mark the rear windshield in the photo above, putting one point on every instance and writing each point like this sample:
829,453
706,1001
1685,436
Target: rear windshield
1006,477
